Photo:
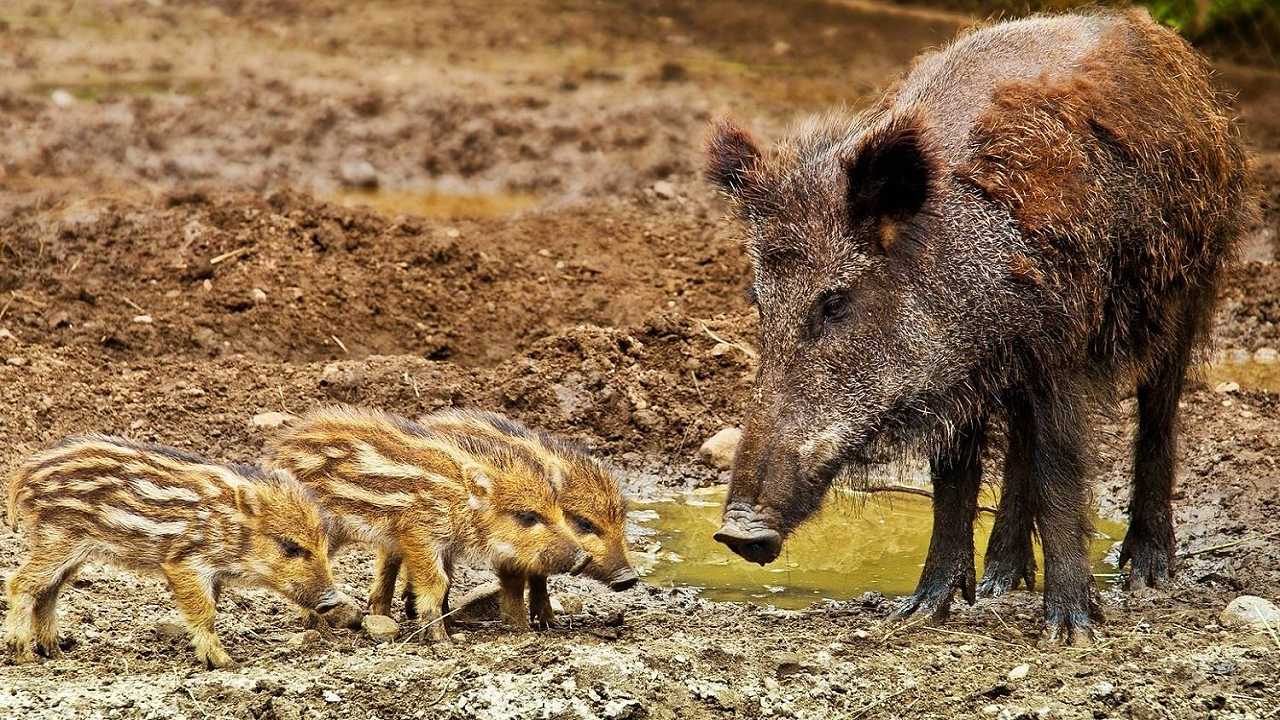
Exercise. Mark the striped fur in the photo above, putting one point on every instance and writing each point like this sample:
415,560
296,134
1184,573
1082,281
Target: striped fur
155,509
427,499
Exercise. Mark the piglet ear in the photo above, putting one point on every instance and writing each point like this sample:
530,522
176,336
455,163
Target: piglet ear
247,501
731,156
891,177
478,481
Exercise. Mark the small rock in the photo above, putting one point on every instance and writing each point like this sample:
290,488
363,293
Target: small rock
1102,690
860,635
1250,611
647,419
143,319
1019,672
304,638
331,696
721,348
788,664
380,627
458,637
6,335
1227,387
259,295
570,604
358,173
1266,356
719,449
664,190
171,630
781,47
270,420
17,361
62,98
992,710
480,604
342,376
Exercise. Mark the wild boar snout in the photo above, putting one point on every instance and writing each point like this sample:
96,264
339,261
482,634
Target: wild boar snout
624,579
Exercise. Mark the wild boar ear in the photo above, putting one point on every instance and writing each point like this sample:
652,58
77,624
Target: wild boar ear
891,178
731,156
479,485
247,501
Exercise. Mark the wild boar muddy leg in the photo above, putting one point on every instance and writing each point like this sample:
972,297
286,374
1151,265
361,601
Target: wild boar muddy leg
540,613
1009,559
1149,543
383,589
193,594
1061,501
956,473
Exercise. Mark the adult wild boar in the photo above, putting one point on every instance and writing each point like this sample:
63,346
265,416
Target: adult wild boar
1033,217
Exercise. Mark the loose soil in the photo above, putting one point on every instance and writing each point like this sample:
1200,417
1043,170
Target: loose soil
179,251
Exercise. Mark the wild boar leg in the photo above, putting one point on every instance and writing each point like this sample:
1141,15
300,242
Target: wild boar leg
540,613
33,596
193,595
1149,544
956,473
1009,559
511,600
411,599
426,573
1061,501
383,589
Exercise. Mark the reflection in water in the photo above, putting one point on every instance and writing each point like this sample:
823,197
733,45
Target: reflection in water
848,548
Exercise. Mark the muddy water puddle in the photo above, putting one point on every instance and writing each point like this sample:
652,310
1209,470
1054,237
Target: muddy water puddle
1248,374
854,545
438,204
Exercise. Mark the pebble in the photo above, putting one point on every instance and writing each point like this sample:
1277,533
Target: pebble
1227,387
143,319
16,361
721,348
1250,611
259,295
358,173
172,630
62,98
1266,356
788,664
380,627
664,189
991,709
304,638
719,449
5,334
570,604
860,635
1102,690
1019,672
270,420
458,637
331,696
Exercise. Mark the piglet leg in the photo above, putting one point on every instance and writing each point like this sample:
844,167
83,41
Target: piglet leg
511,600
540,613
193,595
426,574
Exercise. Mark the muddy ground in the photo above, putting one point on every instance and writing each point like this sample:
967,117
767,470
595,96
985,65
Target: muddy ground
177,255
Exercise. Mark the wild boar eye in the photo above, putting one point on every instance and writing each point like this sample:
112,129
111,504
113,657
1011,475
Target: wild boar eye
292,549
528,518
584,526
831,309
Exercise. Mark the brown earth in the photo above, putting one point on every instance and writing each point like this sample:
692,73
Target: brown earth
144,140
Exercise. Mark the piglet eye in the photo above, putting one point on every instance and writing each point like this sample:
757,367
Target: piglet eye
583,525
292,549
528,518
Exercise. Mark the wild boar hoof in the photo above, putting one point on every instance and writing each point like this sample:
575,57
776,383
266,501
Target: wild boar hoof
1150,561
22,653
51,651
1071,630
933,596
1001,576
